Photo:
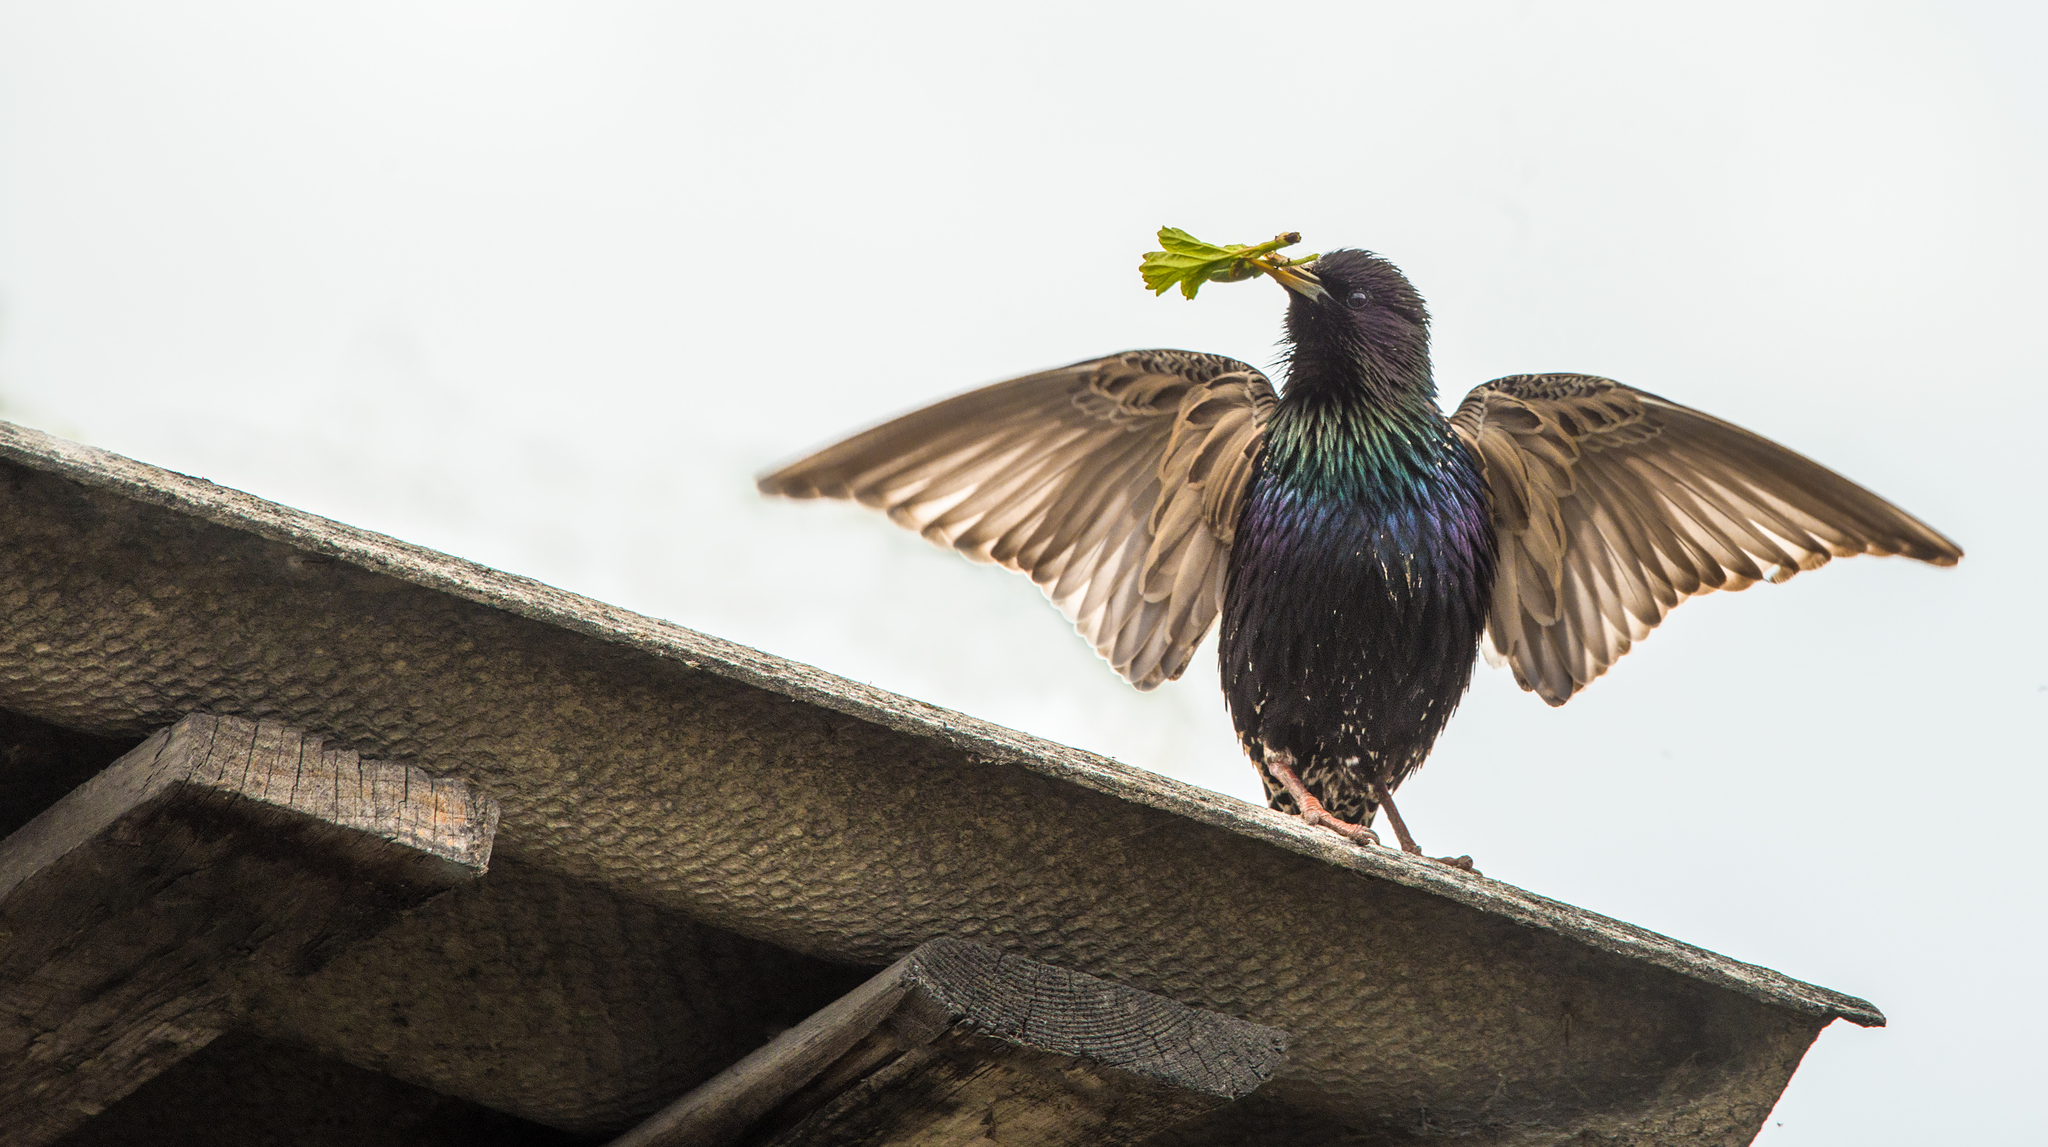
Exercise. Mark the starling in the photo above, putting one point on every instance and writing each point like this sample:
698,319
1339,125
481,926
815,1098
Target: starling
1356,544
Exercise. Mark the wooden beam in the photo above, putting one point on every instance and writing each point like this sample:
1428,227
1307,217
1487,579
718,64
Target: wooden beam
216,857
958,1044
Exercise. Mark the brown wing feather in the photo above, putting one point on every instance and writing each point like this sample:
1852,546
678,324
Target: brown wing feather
1613,505
1115,483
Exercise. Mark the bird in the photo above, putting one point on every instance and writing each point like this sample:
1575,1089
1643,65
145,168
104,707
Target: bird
1357,547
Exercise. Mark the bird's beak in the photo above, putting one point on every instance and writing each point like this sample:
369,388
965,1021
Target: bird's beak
1301,281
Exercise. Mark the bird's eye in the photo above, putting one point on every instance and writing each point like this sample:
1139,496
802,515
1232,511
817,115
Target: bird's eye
1358,300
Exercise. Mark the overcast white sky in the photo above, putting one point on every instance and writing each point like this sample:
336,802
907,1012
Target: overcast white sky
545,285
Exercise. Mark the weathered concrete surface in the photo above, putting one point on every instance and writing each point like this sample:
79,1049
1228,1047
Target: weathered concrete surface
848,824
551,999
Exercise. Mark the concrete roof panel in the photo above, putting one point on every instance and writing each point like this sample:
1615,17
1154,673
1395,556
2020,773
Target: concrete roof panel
844,822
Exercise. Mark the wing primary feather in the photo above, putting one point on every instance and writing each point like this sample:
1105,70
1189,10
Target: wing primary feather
1612,505
1111,483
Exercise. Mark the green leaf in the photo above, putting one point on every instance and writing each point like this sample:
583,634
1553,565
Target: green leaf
1188,262
1179,242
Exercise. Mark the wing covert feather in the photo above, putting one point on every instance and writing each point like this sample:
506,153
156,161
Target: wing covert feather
1115,484
1612,505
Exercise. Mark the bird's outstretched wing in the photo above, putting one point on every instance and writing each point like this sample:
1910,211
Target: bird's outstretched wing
1612,506
1115,483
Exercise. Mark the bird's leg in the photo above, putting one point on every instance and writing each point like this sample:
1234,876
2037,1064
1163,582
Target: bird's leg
1385,798
1280,763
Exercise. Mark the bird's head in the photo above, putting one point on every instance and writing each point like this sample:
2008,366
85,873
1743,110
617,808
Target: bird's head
1353,316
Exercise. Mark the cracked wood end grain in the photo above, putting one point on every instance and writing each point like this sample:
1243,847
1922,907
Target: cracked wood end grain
957,1043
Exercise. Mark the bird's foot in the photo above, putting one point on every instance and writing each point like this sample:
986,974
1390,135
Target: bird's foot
1314,813
1384,797
1281,765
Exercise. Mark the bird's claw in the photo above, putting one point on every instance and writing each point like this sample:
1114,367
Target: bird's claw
1280,765
1461,863
1355,833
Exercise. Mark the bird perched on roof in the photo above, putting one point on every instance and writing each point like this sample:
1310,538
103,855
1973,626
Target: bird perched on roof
1355,542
